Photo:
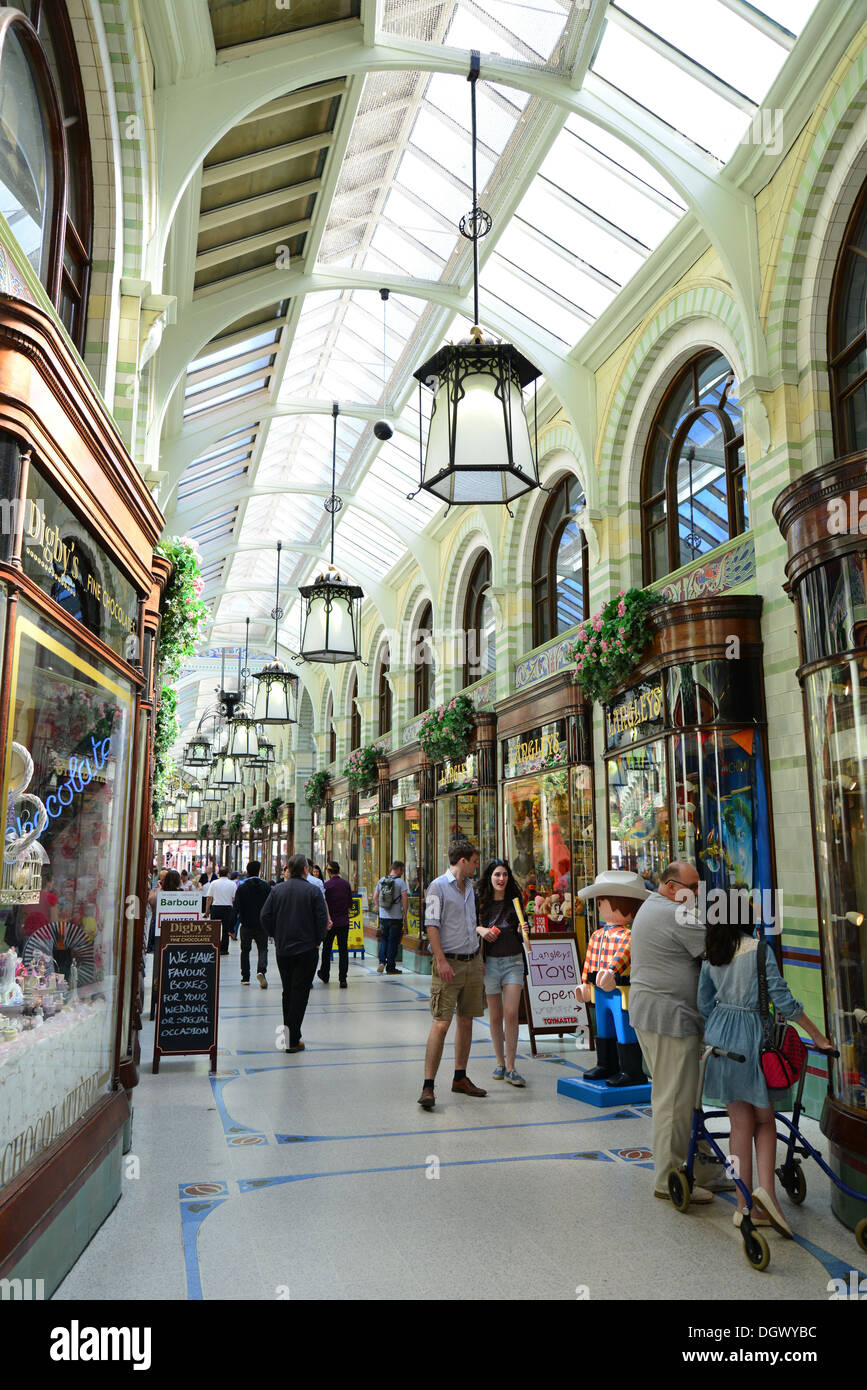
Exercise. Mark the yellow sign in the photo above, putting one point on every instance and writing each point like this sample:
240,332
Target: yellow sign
356,925
631,714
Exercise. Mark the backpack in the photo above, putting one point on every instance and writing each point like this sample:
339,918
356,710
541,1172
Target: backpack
387,892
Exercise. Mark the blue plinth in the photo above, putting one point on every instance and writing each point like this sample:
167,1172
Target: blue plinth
598,1093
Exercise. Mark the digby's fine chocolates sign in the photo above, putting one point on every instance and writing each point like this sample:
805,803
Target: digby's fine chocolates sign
59,555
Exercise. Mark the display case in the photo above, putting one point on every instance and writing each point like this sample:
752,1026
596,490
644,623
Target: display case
685,753
466,799
78,601
821,517
546,783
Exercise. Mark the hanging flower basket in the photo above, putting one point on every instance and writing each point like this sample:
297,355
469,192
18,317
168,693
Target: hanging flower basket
257,820
274,809
446,732
609,646
235,824
362,768
219,826
204,831
315,789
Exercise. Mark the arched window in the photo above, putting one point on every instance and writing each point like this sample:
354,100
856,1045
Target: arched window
354,715
480,636
332,734
46,186
424,670
847,335
693,482
560,579
384,692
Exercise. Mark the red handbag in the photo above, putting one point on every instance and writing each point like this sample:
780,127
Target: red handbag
782,1053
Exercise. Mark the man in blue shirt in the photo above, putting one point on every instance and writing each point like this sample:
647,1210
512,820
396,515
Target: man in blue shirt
457,973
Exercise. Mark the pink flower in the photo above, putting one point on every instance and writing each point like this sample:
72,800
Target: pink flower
597,623
620,593
622,631
621,609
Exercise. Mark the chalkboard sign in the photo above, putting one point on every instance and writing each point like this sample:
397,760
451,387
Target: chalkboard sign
188,989
549,989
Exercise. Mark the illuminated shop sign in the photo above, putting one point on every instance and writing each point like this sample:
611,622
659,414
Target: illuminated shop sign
60,557
80,772
458,776
406,791
546,746
639,714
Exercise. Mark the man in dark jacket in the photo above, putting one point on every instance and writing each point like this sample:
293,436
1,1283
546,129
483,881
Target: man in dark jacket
338,897
249,901
296,916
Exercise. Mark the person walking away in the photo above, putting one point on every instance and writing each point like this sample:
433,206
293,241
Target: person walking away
296,916
457,977
338,898
220,904
249,901
503,958
728,998
390,898
663,1010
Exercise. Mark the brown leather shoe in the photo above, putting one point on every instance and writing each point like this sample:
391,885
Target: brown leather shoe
466,1088
427,1099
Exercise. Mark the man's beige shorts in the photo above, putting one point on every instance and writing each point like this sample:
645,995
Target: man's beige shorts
466,992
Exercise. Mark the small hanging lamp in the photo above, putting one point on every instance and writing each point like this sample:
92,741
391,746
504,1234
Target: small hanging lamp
479,449
277,687
332,606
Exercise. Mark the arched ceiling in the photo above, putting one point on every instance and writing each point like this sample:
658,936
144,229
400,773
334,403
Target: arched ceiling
315,152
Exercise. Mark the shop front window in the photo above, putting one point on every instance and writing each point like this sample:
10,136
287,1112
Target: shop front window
341,841
368,858
66,791
406,831
836,698
545,842
722,813
638,811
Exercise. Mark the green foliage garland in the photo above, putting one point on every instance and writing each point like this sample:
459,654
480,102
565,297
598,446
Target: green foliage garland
204,832
218,828
257,820
275,806
182,616
235,823
609,646
445,733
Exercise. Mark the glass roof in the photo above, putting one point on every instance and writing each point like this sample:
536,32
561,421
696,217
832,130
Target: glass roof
578,230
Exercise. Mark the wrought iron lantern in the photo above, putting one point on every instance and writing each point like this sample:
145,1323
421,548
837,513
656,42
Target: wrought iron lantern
277,686
332,606
479,449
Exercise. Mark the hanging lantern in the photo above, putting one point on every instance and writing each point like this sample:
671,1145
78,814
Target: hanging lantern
181,803
195,799
479,449
198,752
244,738
332,606
226,771
276,694
331,620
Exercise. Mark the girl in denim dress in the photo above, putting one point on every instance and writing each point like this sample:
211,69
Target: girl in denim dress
728,997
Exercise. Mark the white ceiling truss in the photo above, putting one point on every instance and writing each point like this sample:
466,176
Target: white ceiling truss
613,139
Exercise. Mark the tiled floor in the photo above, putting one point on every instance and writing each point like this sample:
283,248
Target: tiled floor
316,1175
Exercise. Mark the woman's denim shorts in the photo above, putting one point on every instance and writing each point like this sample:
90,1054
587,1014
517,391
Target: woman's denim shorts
503,970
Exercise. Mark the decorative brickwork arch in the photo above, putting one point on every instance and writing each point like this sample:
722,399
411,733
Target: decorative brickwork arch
710,304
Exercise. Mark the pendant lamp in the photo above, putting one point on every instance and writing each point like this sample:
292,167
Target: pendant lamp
479,449
277,687
332,606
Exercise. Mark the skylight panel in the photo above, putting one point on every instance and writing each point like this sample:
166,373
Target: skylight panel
422,225
450,148
579,234
426,181
791,15
677,98
495,124
230,374
474,30
599,186
622,155
721,41
249,389
564,265
529,297
234,350
409,257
